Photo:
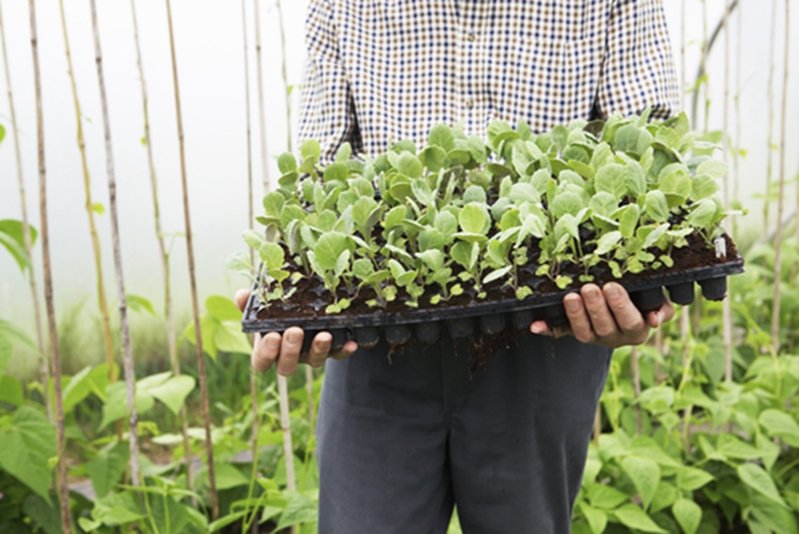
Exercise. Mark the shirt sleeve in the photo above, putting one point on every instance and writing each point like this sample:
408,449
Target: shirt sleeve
327,106
638,71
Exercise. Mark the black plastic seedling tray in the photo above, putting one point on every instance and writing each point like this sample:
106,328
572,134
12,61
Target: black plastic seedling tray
489,317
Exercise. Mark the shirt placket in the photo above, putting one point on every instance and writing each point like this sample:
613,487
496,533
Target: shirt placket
472,96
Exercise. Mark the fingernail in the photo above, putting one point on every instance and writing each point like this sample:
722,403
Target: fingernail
612,290
293,337
536,328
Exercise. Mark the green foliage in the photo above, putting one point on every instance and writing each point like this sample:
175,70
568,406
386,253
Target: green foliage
619,201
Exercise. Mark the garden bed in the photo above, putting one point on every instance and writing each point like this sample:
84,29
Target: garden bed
483,238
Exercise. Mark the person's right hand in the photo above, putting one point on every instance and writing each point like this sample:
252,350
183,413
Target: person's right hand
286,349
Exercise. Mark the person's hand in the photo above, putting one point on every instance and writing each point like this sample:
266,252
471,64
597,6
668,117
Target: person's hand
606,317
286,349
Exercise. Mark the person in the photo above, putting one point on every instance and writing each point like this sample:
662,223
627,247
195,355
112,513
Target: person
401,441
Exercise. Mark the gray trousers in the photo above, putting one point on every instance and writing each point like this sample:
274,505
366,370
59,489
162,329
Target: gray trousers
403,439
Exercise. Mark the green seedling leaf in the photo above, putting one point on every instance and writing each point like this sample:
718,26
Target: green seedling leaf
328,249
497,274
566,202
656,206
703,214
611,179
607,243
675,183
713,168
409,165
272,255
441,136
704,186
628,220
474,219
287,163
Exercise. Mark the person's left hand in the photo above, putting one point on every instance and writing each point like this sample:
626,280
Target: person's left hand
606,317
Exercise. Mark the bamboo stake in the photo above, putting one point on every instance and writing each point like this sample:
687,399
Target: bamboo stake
62,483
737,112
108,340
127,349
283,71
636,372
309,372
770,100
255,425
261,105
201,370
162,246
44,368
725,306
775,315
282,384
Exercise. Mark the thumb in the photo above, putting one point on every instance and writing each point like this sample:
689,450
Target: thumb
242,295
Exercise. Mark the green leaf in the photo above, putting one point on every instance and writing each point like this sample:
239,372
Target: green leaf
28,445
441,136
656,206
497,274
676,184
566,202
11,390
138,303
173,392
328,248
781,425
300,509
704,187
446,223
688,514
336,172
605,497
409,165
474,219
628,220
732,446
273,204
287,163
311,149
636,519
227,476
645,474
611,179
703,214
597,519
222,308
692,478
272,255
759,480
107,467
713,168
12,238
607,243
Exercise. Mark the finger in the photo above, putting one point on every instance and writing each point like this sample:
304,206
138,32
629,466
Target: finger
602,321
540,328
627,316
290,351
241,298
346,351
265,351
578,318
658,317
320,349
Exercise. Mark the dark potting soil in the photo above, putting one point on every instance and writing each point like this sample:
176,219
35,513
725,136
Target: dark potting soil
311,298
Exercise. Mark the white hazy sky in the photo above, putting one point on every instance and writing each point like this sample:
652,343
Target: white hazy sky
211,67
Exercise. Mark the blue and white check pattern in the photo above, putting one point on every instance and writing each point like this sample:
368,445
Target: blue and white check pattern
384,70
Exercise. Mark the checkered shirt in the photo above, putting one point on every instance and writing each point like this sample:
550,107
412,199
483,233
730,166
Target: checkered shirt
380,71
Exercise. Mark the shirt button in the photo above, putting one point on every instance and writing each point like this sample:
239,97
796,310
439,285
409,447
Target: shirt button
469,103
471,37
